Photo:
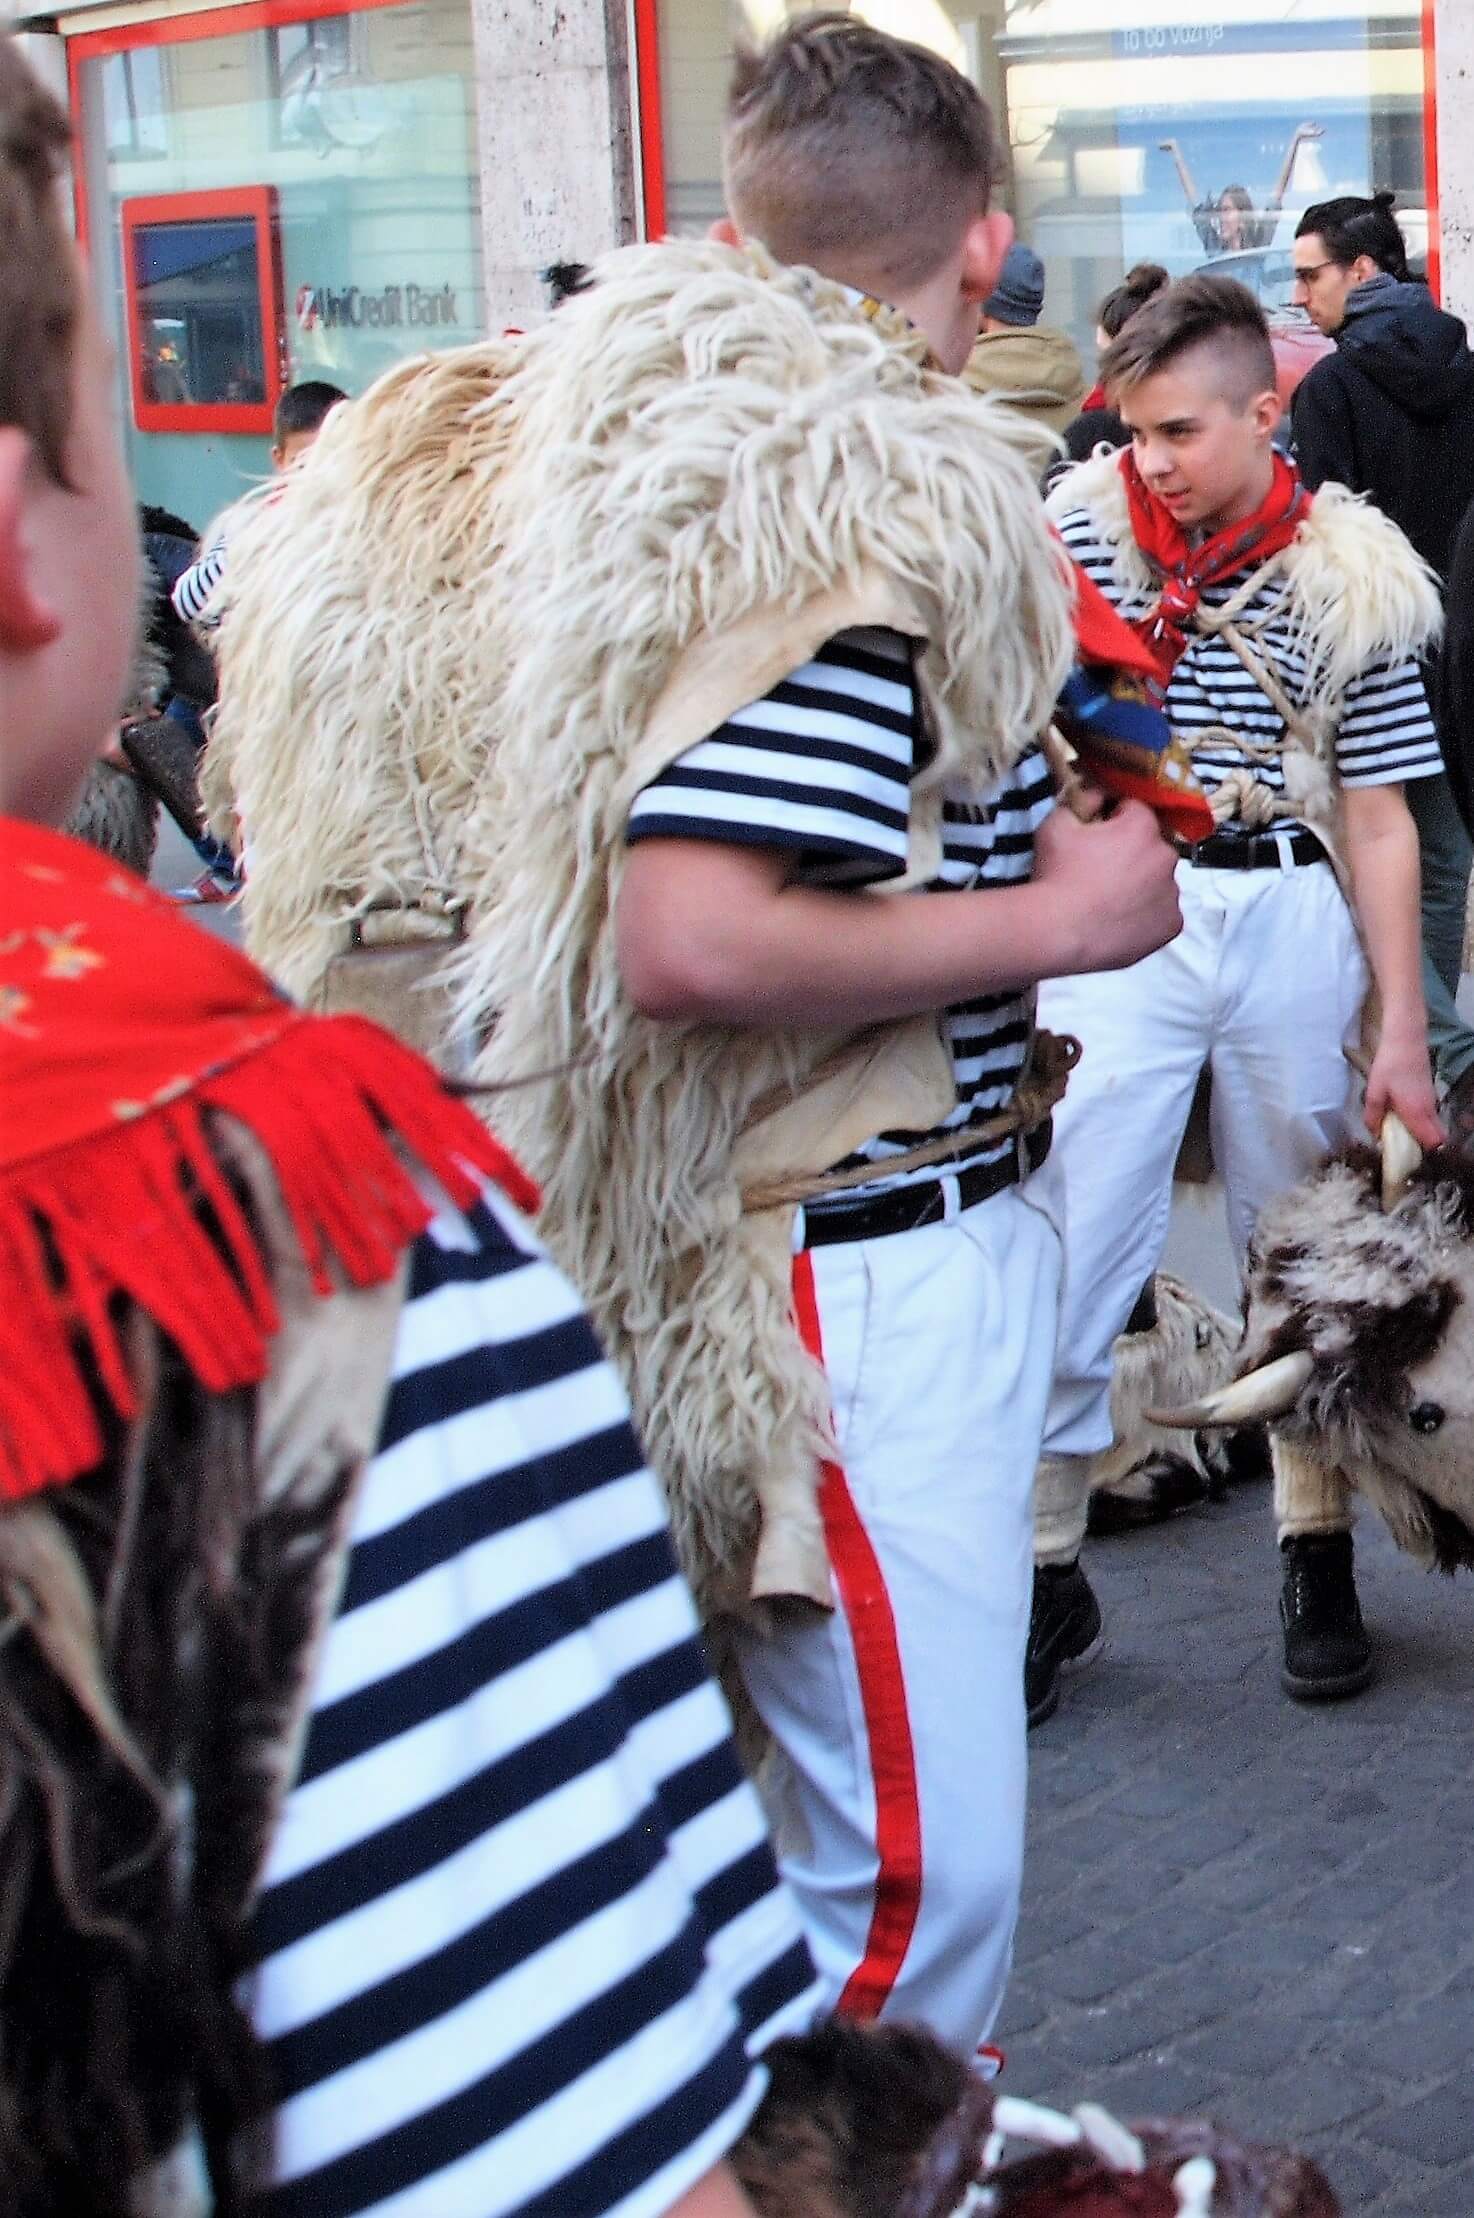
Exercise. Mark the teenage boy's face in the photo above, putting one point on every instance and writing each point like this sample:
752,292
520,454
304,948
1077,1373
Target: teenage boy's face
69,587
1206,459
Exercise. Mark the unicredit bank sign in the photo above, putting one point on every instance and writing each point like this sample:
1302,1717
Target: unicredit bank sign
393,307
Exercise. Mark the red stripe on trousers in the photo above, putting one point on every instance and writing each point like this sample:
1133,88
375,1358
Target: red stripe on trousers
872,1623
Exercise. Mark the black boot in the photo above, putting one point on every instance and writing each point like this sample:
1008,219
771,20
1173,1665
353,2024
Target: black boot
1064,1627
1327,1653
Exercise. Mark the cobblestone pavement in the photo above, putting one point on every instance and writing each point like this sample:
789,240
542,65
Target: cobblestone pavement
1240,1906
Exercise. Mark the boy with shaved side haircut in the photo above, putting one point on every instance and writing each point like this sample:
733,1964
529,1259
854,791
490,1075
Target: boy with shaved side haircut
767,624
1286,632
824,1243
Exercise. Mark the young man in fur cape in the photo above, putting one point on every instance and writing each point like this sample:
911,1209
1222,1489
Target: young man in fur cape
369,1828
798,1167
1286,632
752,606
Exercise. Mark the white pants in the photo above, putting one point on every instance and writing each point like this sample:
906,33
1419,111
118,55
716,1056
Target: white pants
898,1792
1265,985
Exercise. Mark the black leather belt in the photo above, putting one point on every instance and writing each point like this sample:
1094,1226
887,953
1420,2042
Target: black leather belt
925,1203
1254,850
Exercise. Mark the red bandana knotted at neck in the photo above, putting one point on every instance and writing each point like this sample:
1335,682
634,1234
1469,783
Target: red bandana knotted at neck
1185,569
121,1026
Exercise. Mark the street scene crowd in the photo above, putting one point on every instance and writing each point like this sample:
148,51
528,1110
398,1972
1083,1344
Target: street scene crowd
552,1398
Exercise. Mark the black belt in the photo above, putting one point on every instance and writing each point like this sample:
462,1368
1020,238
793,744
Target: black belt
925,1203
1254,850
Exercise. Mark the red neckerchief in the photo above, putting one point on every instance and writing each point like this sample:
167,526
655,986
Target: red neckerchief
121,1024
1185,569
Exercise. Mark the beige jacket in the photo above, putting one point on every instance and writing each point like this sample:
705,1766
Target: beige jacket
1038,372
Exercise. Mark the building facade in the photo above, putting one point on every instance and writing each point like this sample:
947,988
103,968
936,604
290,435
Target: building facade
276,189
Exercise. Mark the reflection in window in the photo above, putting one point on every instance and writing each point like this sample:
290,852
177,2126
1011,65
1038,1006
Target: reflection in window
326,95
133,102
198,290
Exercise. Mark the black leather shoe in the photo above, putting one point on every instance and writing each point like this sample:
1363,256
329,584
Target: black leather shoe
1327,1653
1064,1628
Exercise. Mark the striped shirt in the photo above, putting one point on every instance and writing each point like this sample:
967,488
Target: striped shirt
521,1937
1386,733
821,770
197,587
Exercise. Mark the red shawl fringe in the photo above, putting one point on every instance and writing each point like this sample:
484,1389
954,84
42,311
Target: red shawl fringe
122,1214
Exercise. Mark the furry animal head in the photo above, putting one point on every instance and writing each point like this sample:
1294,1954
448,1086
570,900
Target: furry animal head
866,2121
1376,1305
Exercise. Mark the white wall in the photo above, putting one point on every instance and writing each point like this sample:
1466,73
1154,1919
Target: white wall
1454,31
557,174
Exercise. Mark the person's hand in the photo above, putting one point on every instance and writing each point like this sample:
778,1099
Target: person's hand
1401,1078
1115,882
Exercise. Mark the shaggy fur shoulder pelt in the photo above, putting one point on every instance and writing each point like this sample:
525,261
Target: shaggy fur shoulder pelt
1356,590
359,691
701,443
505,548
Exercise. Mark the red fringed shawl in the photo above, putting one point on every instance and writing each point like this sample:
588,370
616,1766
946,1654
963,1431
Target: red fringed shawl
121,1024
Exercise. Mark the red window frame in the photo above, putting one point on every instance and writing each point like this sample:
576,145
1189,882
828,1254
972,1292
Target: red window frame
256,204
650,115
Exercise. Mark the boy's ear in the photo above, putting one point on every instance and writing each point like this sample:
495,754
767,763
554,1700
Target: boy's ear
985,242
725,232
1267,409
27,620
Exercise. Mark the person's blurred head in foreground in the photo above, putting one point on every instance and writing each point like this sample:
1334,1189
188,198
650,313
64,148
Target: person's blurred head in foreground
69,558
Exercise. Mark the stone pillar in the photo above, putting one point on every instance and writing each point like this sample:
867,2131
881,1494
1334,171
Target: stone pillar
1454,32
558,174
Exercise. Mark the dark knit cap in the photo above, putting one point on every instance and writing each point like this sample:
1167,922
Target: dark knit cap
1019,294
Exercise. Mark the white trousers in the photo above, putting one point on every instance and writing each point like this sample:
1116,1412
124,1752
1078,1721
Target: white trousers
898,1789
1265,985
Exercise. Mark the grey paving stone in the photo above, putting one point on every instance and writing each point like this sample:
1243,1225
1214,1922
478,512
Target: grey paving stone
1239,1906
1450,2197
1436,2129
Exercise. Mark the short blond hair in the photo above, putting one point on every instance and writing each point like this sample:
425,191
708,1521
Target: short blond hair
38,283
843,144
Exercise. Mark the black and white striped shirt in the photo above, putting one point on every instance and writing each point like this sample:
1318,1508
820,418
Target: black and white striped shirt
1386,733
821,769
521,1937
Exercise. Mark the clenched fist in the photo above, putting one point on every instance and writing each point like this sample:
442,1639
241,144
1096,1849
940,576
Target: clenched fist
1115,883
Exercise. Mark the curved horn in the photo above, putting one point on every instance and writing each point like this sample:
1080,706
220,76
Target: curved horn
1401,1156
1271,1391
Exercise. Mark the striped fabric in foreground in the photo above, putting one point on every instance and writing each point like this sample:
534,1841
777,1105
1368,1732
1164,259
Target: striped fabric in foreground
521,1935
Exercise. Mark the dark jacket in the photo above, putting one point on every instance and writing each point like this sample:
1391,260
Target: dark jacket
1391,413
1453,694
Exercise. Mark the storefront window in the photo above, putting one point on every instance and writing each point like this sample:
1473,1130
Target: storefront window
1140,130
270,205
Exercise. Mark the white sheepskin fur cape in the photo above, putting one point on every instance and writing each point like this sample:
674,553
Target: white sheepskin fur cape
495,567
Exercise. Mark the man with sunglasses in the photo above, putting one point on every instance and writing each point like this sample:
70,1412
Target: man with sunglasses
1391,414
